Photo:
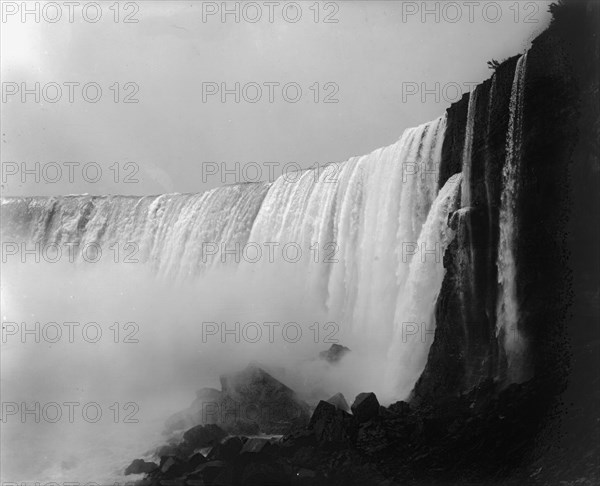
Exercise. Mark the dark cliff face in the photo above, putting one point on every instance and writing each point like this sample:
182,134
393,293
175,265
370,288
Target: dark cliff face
465,351
558,243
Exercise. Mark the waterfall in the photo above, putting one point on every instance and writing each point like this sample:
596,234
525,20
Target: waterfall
507,305
361,227
414,321
165,231
465,279
468,149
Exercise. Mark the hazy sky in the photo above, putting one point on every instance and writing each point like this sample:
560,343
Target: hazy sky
364,61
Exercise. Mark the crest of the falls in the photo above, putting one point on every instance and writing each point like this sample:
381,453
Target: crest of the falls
507,305
168,232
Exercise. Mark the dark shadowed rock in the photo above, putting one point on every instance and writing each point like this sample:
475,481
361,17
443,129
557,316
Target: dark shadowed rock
255,445
365,406
263,474
139,466
227,450
306,477
203,436
334,353
332,425
339,401
171,467
195,461
224,478
371,438
208,471
400,408
253,395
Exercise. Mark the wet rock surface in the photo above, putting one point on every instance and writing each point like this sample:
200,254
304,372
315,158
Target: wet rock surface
486,434
339,401
139,466
250,402
335,353
365,407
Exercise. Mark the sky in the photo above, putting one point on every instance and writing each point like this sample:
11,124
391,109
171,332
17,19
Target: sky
132,101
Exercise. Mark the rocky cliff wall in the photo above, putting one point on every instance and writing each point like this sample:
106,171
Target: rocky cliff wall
558,246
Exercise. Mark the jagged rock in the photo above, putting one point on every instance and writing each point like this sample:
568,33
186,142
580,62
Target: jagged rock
208,471
253,395
334,353
365,406
399,408
139,466
171,449
339,401
227,450
203,436
171,467
332,425
371,438
251,402
255,446
195,461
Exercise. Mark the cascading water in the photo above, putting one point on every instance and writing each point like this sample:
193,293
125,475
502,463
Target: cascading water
415,319
358,238
166,231
466,280
362,218
507,306
468,149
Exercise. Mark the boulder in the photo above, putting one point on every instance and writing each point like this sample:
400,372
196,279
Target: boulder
253,395
195,461
332,425
208,471
365,407
139,466
334,353
171,467
255,446
227,450
339,401
400,409
202,436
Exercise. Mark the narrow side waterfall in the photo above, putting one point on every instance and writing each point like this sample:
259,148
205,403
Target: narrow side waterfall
414,320
468,149
507,307
466,278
